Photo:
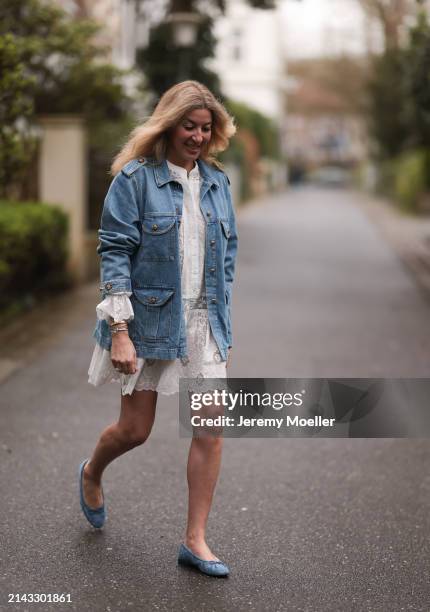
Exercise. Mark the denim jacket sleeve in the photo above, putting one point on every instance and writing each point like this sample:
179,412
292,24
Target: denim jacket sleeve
230,256
119,234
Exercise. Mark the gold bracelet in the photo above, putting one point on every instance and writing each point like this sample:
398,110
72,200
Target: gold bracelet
113,324
119,329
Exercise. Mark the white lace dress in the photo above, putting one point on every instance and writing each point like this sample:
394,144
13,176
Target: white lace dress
203,359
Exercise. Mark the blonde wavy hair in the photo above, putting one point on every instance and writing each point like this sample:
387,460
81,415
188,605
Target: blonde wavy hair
150,139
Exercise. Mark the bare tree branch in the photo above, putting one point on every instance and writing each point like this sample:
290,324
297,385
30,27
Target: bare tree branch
391,14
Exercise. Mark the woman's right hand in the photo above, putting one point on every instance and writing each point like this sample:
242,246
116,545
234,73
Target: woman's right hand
123,353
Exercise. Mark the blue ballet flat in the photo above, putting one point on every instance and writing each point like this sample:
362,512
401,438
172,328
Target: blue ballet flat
211,568
95,516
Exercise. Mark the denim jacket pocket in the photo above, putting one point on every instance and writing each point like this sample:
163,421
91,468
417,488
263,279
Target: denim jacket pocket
225,234
153,312
158,239
226,228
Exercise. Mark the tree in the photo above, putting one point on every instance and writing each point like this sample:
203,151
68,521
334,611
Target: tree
417,76
16,108
399,93
68,68
391,15
387,103
50,64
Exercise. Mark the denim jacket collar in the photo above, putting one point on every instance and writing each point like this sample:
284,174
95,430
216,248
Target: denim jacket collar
163,176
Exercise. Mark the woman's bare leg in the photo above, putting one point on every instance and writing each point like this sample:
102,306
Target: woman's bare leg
204,462
132,429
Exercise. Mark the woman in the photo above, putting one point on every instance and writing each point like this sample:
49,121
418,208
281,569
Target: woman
167,244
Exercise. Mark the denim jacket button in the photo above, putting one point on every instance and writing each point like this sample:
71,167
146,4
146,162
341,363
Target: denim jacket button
152,300
154,227
212,270
212,242
108,286
213,301
208,214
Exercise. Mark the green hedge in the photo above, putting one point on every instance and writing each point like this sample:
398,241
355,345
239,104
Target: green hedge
412,179
235,154
406,179
33,251
263,128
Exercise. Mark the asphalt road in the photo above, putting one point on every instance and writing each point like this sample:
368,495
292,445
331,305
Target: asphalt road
305,524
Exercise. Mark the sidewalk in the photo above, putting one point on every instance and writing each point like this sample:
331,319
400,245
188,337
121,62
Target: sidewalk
31,334
408,235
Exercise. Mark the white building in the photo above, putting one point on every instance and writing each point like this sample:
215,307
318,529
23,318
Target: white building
249,57
122,30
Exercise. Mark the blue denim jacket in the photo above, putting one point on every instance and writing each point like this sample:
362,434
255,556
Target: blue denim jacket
139,249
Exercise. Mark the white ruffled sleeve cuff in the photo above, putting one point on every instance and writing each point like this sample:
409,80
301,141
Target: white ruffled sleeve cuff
116,306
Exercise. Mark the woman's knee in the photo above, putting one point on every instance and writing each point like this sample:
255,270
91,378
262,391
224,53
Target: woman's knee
209,443
134,434
137,417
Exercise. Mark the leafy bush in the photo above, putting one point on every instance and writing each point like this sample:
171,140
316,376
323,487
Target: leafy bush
386,178
33,250
236,154
411,179
252,126
405,179
16,104
262,127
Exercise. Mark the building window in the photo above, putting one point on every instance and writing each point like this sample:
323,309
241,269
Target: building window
236,45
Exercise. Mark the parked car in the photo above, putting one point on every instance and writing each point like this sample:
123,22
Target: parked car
330,176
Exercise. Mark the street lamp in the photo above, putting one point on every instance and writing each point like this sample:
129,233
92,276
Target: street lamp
184,32
184,28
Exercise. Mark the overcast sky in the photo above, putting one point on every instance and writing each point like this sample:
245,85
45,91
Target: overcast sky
315,27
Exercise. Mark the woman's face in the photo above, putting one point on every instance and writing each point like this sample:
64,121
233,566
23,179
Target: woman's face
190,137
